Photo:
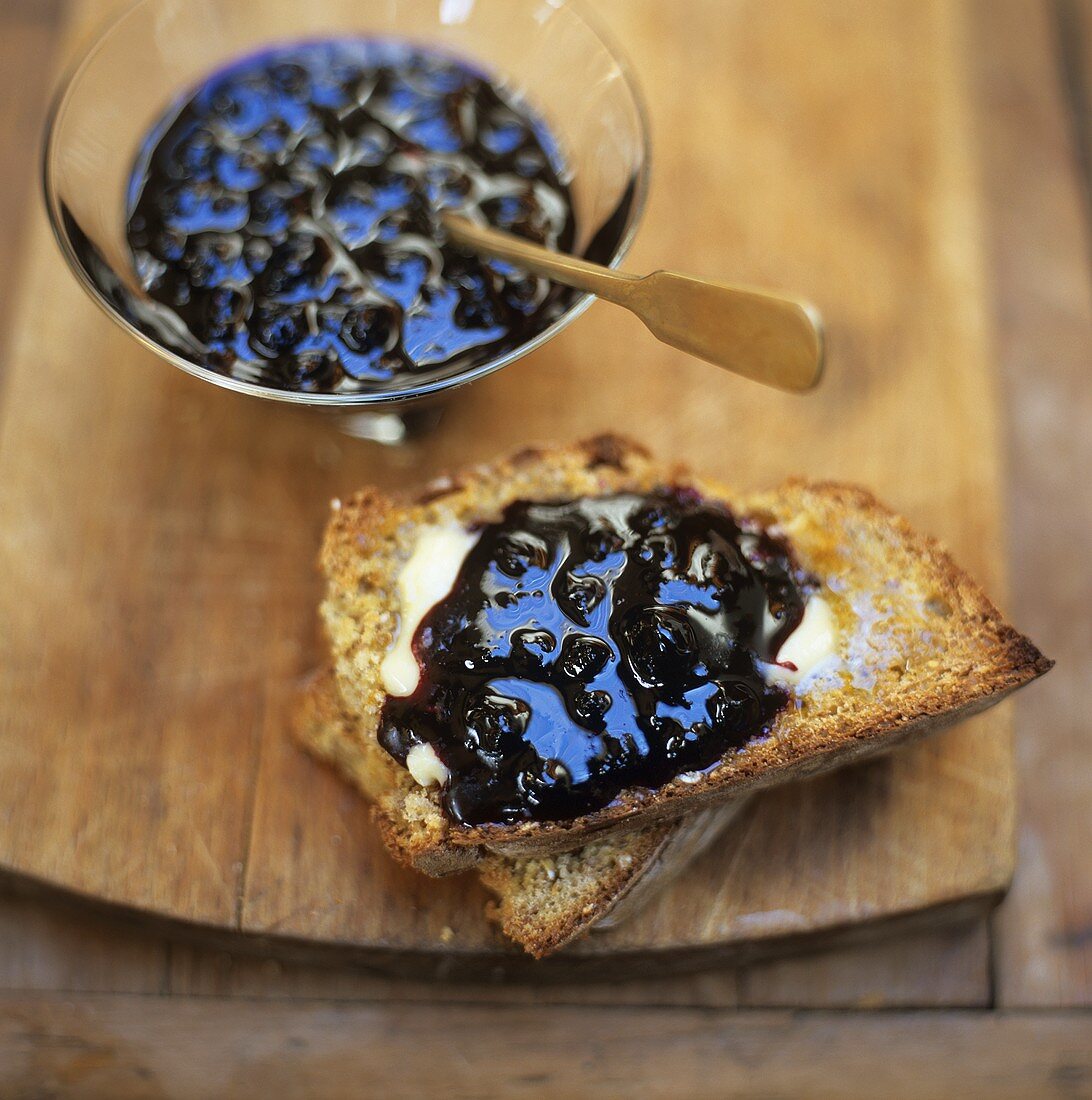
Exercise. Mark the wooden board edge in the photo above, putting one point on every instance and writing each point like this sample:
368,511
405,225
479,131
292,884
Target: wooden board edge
503,966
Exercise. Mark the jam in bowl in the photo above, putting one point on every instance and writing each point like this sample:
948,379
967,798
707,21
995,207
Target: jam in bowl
253,188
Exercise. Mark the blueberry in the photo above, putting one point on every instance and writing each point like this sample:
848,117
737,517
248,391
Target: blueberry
660,549
368,329
203,208
662,647
478,306
311,370
225,308
273,206
275,330
194,155
472,274
299,271
241,108
734,707
272,138
580,595
678,742
591,707
214,259
503,136
653,517
516,554
495,724
465,272
369,337
446,184
290,78
437,77
352,209
438,131
529,163
392,190
583,658
517,214
413,219
524,293
256,253
371,143
602,541
402,275
169,245
315,152
531,647
238,170
505,210
477,313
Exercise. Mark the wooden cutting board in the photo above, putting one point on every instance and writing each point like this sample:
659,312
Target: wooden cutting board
158,535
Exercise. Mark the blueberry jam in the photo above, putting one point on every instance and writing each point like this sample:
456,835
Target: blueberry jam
596,645
285,218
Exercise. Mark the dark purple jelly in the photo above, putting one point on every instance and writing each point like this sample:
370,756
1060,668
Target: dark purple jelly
285,217
596,645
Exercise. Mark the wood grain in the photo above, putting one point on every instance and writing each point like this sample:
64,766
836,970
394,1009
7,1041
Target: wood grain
161,531
50,947
29,34
180,1047
640,381
1038,235
933,968
1043,302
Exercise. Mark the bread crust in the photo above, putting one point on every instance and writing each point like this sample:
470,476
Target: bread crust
923,645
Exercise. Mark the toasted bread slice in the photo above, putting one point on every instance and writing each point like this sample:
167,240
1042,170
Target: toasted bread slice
541,903
919,647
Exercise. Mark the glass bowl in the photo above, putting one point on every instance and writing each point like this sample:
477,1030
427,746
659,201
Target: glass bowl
546,51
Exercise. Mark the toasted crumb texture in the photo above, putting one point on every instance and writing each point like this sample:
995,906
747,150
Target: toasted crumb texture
920,645
545,902
541,903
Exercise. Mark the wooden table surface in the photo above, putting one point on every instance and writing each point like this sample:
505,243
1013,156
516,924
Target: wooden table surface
91,1006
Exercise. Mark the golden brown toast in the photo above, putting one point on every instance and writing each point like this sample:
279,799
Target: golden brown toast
919,647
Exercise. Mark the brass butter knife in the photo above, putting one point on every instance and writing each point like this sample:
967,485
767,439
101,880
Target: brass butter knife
761,335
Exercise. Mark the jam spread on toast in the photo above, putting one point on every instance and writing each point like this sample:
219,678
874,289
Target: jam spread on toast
596,645
284,216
